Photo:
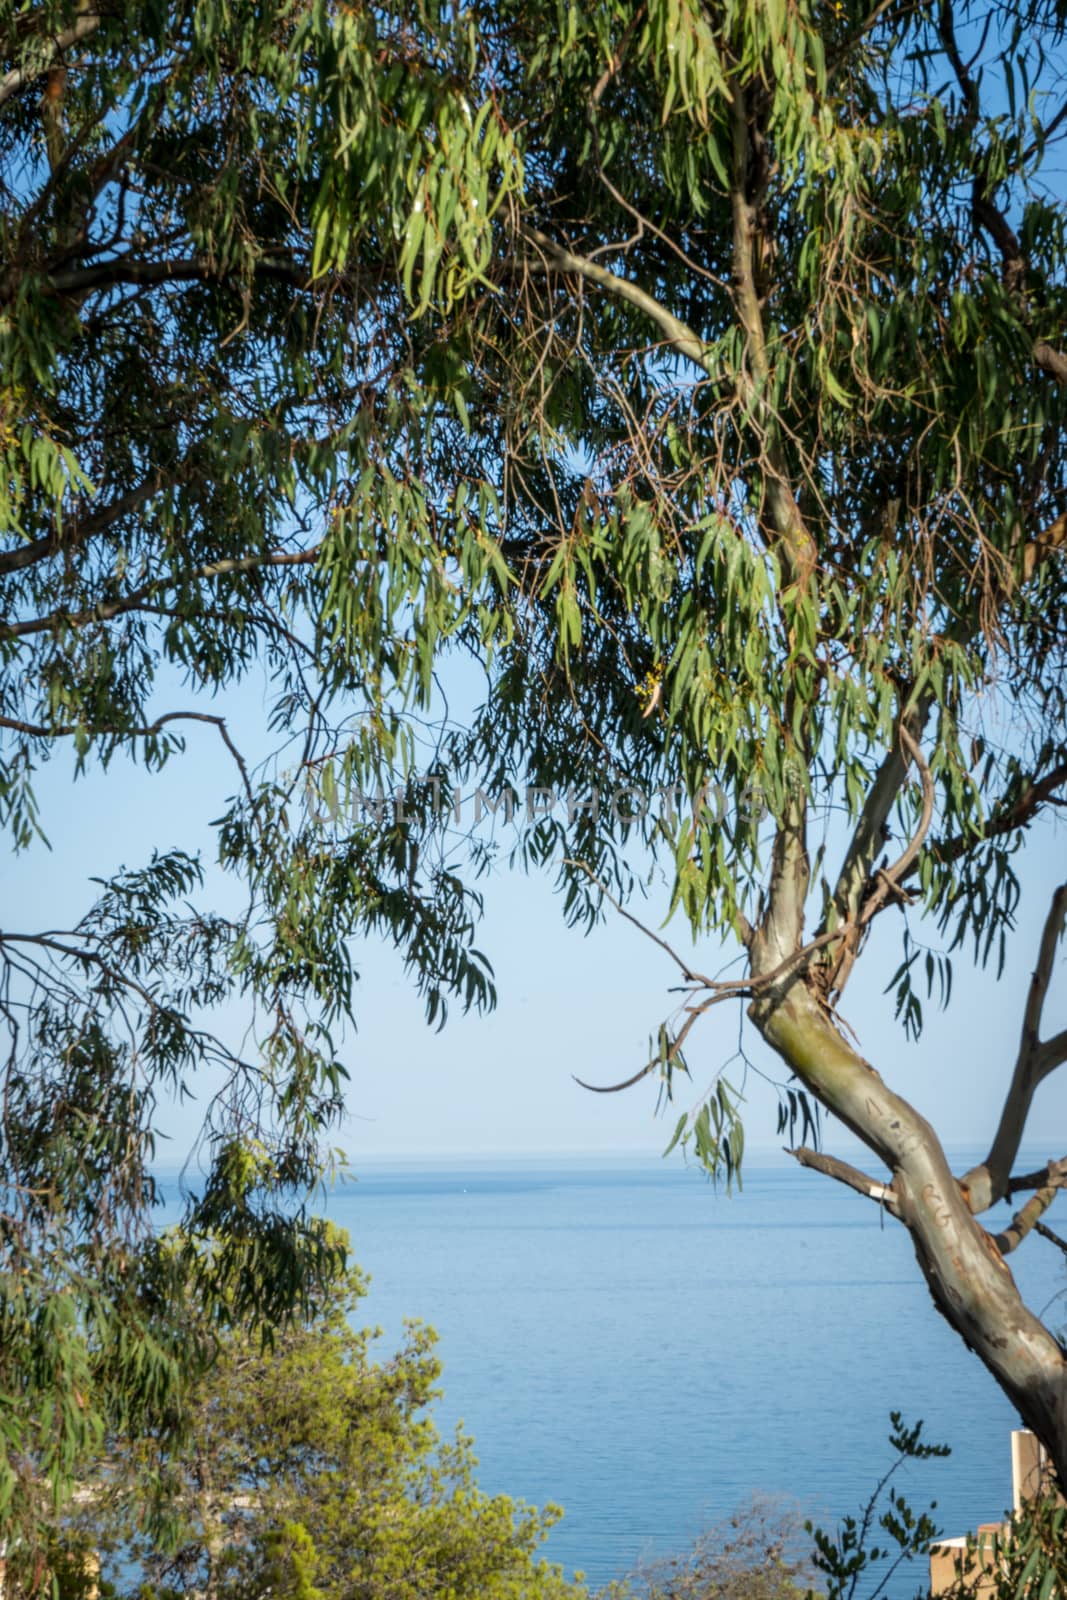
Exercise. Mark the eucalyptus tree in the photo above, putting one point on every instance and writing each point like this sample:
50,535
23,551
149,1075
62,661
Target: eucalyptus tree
771,377
696,371
207,358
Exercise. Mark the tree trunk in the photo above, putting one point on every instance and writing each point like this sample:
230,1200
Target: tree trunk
969,1281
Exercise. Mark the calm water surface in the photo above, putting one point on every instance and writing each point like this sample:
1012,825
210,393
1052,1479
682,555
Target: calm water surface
624,1341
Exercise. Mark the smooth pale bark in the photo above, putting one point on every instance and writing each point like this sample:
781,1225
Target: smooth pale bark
984,1185
969,1281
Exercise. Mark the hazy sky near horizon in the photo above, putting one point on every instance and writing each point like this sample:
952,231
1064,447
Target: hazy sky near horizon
568,1003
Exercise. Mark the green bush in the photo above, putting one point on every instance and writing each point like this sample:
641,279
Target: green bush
312,1471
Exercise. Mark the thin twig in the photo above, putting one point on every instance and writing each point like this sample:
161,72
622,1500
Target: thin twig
683,966
66,730
1053,1238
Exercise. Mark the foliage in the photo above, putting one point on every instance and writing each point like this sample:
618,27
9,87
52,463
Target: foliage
847,1558
694,371
208,224
1027,1558
313,1471
756,1554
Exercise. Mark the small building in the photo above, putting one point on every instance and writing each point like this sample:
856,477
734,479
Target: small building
1031,1479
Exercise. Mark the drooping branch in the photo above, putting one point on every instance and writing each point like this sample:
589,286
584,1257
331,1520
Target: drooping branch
740,989
984,1185
845,1173
38,730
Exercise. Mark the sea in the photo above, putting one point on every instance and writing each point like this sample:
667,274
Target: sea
623,1339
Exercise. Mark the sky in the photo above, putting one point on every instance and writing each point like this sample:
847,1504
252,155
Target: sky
569,1004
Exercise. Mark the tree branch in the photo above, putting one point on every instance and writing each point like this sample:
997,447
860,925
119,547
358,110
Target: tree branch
890,877
109,609
78,281
1006,820
988,1183
618,56
786,519
677,334
868,836
683,966
66,730
1053,1238
1051,1053
864,846
741,988
1051,360
987,215
1022,1222
87,958
27,555
845,1173
16,80
1054,1176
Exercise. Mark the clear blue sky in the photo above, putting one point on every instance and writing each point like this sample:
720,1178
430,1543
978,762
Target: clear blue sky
568,1003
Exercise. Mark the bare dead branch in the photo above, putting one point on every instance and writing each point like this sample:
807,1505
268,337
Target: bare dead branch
845,1173
1053,1238
683,966
617,1088
986,1184
742,988
1022,1222
1054,1176
67,730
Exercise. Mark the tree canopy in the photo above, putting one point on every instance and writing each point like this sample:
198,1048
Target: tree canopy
698,372
313,1471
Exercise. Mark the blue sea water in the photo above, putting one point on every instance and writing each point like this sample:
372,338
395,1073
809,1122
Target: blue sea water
625,1341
